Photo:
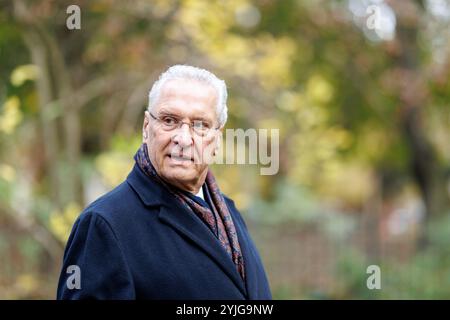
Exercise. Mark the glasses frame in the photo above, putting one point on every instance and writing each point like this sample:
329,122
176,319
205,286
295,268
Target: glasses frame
180,124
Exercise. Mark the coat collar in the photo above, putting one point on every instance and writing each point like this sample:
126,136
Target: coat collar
184,222
150,193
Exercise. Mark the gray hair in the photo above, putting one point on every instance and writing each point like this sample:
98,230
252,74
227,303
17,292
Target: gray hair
194,73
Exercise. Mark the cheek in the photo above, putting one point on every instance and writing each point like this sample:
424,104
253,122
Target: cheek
157,144
202,143
159,141
206,147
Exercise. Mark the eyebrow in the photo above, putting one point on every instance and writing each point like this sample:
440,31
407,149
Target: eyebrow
169,114
201,118
164,112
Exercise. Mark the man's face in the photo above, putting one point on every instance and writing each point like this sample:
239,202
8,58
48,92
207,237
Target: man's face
180,156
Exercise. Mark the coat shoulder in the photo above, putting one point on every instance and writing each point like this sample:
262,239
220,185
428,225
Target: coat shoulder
113,205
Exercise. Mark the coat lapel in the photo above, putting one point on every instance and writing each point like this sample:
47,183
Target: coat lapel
184,222
251,281
190,226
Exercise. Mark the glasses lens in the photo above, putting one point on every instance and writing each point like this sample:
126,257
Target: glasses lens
168,122
201,127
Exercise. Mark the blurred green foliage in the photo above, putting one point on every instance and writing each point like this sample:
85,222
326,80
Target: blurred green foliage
423,276
364,125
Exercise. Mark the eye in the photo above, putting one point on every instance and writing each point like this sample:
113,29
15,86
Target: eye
169,121
201,125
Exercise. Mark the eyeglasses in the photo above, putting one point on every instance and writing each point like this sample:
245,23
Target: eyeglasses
170,122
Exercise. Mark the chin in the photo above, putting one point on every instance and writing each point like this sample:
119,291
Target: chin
180,174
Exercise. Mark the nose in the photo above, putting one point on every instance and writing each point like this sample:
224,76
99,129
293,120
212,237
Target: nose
183,136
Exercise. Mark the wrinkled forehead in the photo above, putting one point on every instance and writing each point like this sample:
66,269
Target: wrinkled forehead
188,90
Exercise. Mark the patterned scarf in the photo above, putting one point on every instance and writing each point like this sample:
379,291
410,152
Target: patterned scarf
225,230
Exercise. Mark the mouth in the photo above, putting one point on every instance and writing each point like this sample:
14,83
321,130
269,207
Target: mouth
182,158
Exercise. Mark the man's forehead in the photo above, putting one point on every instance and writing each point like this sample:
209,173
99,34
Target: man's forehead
189,88
177,94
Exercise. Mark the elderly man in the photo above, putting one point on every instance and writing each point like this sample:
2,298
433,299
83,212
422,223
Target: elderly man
167,232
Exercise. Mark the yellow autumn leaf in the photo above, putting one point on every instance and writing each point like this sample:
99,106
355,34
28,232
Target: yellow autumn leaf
114,167
24,73
319,90
7,172
11,115
61,223
26,283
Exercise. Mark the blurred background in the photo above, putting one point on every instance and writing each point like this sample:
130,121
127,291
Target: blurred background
360,91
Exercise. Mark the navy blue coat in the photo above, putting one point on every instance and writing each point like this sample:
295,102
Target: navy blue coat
138,242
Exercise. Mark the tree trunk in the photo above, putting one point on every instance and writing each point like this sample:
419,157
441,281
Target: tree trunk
424,164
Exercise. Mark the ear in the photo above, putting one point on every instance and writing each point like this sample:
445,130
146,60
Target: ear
145,125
